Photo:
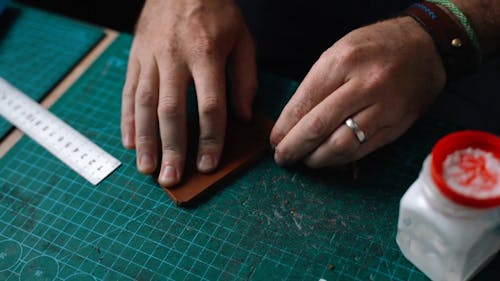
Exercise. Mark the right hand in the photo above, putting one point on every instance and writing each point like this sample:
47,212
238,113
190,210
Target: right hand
175,43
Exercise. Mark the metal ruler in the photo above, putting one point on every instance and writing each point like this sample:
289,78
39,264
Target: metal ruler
63,141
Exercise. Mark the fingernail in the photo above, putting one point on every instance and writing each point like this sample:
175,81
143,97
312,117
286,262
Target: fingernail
168,176
206,163
273,141
273,146
276,158
146,162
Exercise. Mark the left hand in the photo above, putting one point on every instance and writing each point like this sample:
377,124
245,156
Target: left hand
176,43
384,76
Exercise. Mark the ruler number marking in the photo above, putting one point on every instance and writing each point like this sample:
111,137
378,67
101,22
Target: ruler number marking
67,144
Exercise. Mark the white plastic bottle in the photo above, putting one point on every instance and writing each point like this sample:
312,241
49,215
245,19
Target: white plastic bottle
449,218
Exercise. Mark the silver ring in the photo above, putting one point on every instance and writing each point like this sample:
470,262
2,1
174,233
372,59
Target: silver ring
360,135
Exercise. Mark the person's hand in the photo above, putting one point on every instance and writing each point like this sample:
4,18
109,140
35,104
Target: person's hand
177,42
383,76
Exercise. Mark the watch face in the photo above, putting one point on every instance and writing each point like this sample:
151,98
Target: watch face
3,5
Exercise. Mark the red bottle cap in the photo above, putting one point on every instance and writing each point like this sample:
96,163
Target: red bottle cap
465,168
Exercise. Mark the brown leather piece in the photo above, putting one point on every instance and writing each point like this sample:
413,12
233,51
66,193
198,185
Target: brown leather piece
443,29
244,144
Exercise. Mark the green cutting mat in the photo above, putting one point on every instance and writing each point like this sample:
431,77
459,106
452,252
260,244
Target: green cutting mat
268,224
38,49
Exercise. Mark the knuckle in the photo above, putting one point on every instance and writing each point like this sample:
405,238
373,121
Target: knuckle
204,46
171,153
210,104
168,149
168,107
168,48
144,140
376,78
128,91
350,54
317,127
146,96
128,120
299,110
210,141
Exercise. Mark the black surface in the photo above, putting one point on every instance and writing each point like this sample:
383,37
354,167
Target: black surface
290,37
116,14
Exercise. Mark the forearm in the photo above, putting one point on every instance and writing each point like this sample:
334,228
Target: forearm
484,16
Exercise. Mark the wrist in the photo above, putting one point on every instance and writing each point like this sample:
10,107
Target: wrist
426,50
458,51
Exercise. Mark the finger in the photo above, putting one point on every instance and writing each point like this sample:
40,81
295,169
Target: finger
343,146
174,80
146,125
210,86
243,77
320,123
128,101
320,82
385,135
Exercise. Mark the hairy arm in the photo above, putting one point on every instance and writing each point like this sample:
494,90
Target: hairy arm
383,76
484,16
